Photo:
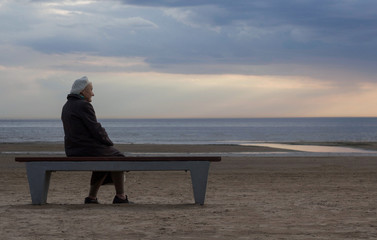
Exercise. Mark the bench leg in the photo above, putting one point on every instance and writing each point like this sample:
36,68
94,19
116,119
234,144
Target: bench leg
39,181
199,176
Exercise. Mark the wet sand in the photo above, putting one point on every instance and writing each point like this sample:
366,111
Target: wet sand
247,198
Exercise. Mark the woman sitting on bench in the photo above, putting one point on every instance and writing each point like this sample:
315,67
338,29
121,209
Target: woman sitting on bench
84,137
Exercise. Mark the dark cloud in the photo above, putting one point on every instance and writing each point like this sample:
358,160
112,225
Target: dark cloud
167,32
327,18
283,29
169,3
60,44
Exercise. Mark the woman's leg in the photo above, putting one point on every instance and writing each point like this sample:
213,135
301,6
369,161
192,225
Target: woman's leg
96,182
118,179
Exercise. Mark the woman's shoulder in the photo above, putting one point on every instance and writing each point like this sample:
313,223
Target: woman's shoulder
76,103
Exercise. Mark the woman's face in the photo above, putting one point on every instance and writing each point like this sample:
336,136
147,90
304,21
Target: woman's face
88,92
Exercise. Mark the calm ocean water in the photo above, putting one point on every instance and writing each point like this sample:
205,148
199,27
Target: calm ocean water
203,131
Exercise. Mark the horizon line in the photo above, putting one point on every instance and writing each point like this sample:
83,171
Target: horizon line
157,118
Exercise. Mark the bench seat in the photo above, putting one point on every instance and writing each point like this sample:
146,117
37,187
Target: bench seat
39,170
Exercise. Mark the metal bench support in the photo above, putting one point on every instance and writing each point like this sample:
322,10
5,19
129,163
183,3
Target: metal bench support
39,173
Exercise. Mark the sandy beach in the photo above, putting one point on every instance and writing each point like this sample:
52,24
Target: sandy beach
333,197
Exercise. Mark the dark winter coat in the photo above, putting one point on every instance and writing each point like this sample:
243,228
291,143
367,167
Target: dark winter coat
84,136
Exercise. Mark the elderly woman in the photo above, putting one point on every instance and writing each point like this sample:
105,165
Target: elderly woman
84,136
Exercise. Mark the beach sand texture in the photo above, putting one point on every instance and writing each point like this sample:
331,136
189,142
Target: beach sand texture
247,198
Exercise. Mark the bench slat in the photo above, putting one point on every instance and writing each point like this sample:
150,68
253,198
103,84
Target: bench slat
129,159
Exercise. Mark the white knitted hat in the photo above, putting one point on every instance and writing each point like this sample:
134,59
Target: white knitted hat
79,85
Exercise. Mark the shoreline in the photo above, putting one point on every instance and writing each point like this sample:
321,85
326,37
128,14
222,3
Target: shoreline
260,148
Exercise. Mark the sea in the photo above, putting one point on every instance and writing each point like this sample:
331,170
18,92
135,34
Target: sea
202,131
268,132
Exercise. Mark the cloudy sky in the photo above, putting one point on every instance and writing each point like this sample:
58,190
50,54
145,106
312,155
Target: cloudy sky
197,58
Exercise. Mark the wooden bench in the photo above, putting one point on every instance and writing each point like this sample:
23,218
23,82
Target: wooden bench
39,170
